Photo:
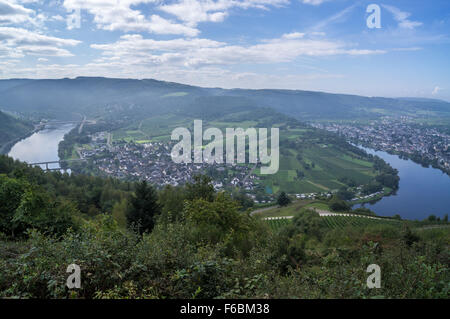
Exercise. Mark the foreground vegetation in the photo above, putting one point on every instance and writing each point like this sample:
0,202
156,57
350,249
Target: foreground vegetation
192,242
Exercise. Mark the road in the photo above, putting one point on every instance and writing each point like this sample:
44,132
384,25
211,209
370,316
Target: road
80,129
109,140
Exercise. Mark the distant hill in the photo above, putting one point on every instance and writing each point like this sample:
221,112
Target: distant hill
108,97
421,99
11,129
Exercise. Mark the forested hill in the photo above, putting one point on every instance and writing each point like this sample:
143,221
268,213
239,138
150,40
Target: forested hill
12,128
96,96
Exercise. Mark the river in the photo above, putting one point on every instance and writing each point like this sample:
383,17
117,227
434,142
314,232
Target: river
41,146
422,191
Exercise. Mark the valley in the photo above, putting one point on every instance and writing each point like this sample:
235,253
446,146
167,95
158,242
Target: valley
311,160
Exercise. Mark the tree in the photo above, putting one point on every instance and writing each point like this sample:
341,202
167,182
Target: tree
200,189
218,221
409,237
345,194
371,188
244,201
172,202
283,199
11,192
306,222
143,208
338,205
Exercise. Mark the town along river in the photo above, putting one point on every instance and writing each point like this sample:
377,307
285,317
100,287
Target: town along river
422,191
41,146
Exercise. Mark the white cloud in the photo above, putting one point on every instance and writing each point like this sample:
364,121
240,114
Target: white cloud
314,2
335,18
407,49
21,36
402,17
44,50
57,18
136,43
293,35
193,12
118,15
18,42
11,12
196,53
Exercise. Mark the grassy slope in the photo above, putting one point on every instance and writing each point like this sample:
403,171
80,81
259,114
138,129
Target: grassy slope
330,164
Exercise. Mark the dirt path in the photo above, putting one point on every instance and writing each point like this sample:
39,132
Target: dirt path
324,213
321,212
262,210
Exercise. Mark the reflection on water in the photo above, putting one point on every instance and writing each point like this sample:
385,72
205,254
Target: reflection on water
42,146
422,191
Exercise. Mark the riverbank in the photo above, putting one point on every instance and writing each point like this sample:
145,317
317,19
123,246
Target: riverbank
40,145
5,148
423,161
386,192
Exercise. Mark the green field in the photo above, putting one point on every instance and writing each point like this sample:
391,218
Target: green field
319,169
289,210
276,224
152,129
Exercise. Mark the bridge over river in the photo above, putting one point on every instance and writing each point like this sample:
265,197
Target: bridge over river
56,162
81,123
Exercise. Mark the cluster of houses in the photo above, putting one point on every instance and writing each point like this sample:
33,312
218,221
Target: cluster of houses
400,135
365,197
311,195
152,161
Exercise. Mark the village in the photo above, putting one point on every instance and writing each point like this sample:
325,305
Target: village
152,161
423,144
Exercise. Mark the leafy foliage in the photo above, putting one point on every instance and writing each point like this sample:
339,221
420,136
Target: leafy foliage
202,246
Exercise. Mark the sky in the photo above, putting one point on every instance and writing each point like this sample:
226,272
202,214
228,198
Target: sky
340,46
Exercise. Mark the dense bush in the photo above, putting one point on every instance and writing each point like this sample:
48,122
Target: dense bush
303,261
201,246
